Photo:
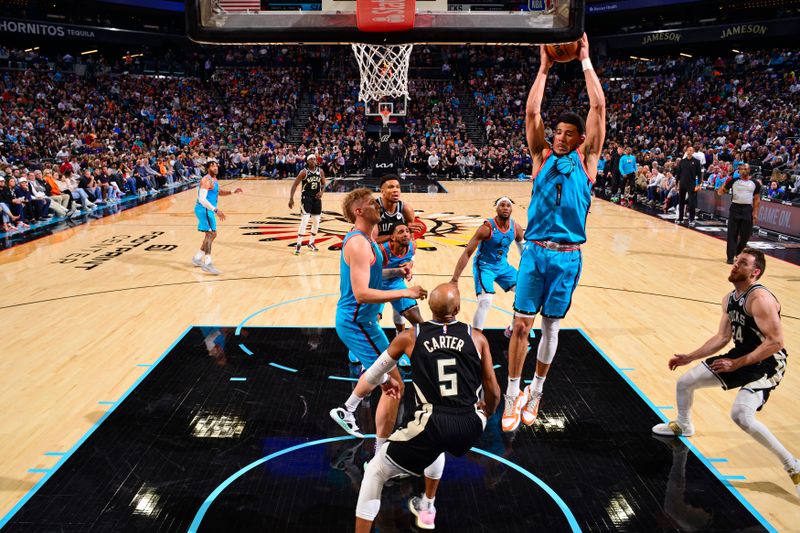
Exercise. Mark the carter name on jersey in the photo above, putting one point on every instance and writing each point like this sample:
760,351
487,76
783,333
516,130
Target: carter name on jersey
444,342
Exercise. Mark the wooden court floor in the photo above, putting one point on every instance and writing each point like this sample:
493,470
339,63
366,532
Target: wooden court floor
83,308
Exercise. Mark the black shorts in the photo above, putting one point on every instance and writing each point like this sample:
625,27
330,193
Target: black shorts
310,205
763,376
432,431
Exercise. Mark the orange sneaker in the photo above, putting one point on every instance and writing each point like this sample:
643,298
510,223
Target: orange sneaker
511,411
531,408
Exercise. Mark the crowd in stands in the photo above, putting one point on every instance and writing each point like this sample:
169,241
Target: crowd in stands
73,137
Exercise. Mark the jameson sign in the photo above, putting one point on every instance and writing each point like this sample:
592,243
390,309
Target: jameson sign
48,30
667,36
725,32
743,29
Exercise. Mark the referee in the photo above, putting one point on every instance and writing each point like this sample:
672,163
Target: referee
743,213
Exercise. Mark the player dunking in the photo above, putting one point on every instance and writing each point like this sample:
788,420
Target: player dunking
361,275
313,179
751,316
492,241
451,363
206,211
551,260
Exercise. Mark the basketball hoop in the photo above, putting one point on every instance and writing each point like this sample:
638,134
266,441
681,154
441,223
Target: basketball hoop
384,71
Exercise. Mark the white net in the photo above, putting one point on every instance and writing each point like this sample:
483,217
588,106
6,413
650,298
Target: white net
384,70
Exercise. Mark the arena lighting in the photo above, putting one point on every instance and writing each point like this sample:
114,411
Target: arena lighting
87,52
634,57
31,49
131,56
735,51
685,55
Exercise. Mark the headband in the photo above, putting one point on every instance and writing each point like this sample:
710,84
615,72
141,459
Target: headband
497,202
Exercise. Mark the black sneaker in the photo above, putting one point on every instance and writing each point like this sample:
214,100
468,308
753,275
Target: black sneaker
297,249
313,248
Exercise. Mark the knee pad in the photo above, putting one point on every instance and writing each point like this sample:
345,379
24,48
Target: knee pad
549,341
484,303
436,468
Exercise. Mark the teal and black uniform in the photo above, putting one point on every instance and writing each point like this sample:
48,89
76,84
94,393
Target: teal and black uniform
551,261
206,218
491,260
393,261
357,323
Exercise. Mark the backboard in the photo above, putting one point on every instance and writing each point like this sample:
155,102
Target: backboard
431,21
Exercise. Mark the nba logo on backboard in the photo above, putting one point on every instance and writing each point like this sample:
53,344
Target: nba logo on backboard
536,5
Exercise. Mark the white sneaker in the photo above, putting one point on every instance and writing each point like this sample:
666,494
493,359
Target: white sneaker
426,515
346,420
197,262
674,429
211,269
530,410
508,332
512,410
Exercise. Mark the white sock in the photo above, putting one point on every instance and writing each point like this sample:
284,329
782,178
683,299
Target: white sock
538,384
302,229
352,402
426,502
512,389
207,260
199,255
311,240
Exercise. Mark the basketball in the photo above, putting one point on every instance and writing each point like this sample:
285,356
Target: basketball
562,52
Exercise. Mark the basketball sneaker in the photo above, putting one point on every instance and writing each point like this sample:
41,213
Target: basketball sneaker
531,408
674,429
508,332
426,515
347,421
197,262
211,269
313,248
297,249
512,409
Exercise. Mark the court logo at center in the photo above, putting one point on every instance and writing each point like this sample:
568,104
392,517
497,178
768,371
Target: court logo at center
438,229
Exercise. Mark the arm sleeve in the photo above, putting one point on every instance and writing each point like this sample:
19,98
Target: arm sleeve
202,199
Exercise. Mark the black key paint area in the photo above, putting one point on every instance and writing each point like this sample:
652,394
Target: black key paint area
231,433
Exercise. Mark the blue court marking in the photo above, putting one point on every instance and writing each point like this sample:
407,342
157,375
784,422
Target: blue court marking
38,470
201,512
342,378
273,306
286,368
55,454
664,407
734,478
107,403
686,441
626,369
717,460
88,434
573,523
245,349
145,365
238,379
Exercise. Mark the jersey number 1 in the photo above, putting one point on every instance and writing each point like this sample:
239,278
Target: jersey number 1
448,382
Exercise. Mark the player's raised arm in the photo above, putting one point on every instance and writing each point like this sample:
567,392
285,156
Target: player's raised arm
596,120
534,126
